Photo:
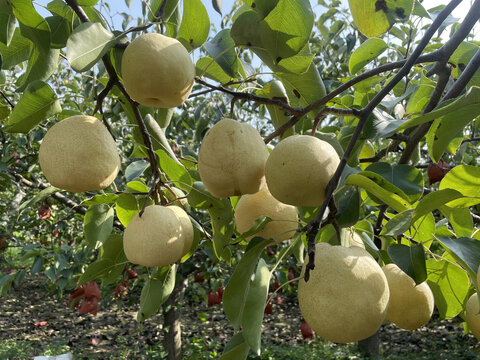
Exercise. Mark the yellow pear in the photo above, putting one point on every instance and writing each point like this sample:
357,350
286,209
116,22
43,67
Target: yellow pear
157,71
472,316
346,297
355,239
161,236
410,306
299,169
78,154
251,206
232,159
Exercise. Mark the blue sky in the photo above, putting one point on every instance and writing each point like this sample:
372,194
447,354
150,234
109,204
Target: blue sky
119,6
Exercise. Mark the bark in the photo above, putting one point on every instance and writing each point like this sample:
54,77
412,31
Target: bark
370,346
172,323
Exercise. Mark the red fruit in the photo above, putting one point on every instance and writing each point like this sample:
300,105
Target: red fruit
8,271
41,323
220,291
214,298
119,291
306,330
76,296
132,274
276,285
44,212
90,305
269,308
199,278
270,251
279,300
291,276
92,290
436,172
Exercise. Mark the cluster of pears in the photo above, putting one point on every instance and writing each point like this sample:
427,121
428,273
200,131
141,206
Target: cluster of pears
349,295
234,160
78,154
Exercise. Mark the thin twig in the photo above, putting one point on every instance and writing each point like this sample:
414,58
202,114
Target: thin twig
7,99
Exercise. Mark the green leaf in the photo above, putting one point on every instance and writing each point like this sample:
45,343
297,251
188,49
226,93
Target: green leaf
126,208
156,291
405,177
40,67
137,186
155,6
60,31
449,284
98,224
32,25
37,198
448,121
398,224
236,292
18,51
7,27
374,17
466,252
87,44
101,199
195,25
112,250
246,31
222,228
236,348
304,89
135,169
206,66
38,103
95,271
258,225
286,29
254,307
275,90
366,52
348,204
411,259
175,171
465,179
459,218
58,7
435,200
461,57
222,49
199,197
386,196
421,96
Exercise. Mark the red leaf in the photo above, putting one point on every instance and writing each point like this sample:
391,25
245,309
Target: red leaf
92,290
277,285
199,278
220,291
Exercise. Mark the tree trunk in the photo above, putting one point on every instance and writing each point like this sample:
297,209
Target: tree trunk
370,346
171,315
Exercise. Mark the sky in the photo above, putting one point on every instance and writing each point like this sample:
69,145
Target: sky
119,6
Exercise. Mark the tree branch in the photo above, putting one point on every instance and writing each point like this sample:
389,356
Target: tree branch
313,227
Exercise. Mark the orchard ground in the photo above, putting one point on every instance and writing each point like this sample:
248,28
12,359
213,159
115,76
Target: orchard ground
35,322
